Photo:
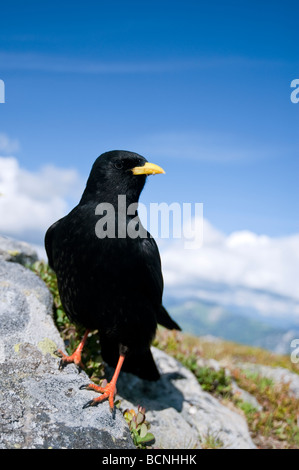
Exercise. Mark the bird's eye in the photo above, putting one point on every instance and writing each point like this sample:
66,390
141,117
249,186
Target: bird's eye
118,165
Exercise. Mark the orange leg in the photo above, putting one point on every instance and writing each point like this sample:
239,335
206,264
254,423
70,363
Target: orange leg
109,390
76,356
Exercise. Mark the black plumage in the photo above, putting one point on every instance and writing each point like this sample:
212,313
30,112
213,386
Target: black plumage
114,285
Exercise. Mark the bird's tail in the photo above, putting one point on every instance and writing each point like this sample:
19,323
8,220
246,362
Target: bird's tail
164,319
142,365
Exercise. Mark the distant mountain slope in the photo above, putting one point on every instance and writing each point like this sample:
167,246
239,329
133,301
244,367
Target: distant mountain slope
203,318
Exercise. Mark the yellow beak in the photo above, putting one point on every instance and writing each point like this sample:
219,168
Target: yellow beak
147,169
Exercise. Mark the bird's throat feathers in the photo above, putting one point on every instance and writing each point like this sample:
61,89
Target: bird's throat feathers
107,190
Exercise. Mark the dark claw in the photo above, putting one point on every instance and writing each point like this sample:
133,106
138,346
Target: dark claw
90,403
62,364
84,387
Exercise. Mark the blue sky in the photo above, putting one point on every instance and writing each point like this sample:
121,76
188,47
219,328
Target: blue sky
201,88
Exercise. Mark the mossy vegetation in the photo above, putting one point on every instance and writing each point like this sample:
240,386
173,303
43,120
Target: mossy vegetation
274,426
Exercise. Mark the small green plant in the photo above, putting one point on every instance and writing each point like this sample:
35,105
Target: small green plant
139,427
213,381
211,441
249,409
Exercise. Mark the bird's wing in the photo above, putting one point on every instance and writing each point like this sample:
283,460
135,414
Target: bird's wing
151,269
49,242
152,277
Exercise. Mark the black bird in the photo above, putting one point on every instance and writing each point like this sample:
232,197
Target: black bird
111,281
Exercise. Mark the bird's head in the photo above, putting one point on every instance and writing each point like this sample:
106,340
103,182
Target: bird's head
120,172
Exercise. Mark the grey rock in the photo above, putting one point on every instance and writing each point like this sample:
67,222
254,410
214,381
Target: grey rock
181,414
40,406
16,251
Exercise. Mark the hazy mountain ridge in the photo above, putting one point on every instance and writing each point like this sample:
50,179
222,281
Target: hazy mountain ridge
207,318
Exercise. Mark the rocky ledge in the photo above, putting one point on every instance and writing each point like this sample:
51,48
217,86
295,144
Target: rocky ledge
42,407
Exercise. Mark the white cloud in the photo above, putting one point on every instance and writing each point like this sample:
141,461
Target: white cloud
8,145
31,201
243,270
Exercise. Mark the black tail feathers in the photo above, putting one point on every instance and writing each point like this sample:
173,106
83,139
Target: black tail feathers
164,319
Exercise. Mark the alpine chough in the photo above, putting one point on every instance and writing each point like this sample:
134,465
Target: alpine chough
108,269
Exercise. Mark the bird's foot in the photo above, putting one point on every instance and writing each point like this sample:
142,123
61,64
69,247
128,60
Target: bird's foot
74,358
108,391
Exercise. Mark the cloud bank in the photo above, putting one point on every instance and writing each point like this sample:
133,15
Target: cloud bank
242,270
31,201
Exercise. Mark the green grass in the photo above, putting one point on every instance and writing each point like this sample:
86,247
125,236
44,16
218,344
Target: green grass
276,425
211,441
